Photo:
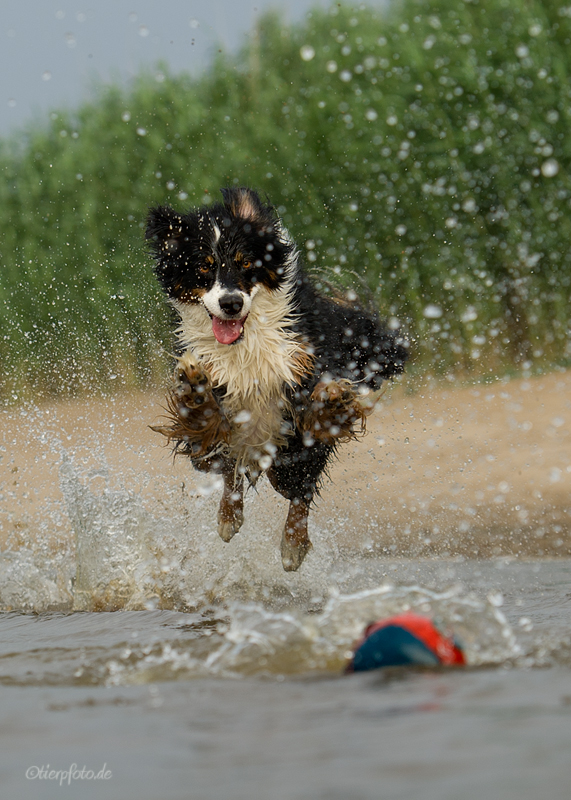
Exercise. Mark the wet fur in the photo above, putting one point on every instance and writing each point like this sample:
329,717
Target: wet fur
300,380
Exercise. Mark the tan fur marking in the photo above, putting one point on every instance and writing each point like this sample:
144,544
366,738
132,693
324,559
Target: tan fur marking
231,510
243,207
295,544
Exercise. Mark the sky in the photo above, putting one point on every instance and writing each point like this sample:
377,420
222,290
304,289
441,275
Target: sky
52,52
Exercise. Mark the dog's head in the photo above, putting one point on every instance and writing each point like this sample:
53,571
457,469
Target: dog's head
221,256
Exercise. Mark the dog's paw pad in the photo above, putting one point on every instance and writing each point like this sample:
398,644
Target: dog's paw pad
333,412
333,393
191,385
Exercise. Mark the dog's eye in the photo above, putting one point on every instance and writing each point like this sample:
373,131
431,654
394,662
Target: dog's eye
205,268
243,262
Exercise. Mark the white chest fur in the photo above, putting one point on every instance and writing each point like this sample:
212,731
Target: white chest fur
255,371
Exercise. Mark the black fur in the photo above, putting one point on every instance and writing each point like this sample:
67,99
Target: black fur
181,243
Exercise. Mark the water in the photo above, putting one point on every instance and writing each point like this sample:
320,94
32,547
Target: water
235,697
135,642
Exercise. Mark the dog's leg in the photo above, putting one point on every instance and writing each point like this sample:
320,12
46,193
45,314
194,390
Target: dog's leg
295,543
333,411
197,426
231,511
197,423
330,418
295,474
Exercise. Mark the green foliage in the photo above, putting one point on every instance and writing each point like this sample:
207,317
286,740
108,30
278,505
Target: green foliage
423,148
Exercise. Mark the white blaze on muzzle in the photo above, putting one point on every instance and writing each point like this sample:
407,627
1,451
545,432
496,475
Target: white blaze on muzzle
228,309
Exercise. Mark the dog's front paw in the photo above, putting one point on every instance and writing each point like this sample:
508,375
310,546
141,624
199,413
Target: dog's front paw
197,423
191,384
334,409
333,394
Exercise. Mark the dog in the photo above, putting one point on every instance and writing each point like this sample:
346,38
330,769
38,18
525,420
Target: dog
273,374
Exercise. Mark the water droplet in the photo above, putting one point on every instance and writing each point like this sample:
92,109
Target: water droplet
555,475
432,311
307,52
469,315
550,168
496,599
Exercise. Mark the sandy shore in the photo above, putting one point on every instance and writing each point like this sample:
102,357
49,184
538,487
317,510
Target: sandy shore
476,472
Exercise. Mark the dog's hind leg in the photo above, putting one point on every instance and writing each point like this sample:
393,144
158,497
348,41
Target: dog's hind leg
296,474
231,511
295,543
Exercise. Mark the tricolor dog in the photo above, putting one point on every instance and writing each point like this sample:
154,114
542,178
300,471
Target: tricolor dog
273,374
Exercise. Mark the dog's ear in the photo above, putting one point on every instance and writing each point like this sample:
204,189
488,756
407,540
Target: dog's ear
245,204
164,223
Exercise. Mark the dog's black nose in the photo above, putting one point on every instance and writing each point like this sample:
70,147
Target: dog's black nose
231,304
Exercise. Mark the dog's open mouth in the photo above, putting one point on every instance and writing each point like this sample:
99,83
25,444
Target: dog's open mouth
227,331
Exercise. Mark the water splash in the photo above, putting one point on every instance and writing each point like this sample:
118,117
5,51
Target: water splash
253,640
115,567
241,614
33,580
132,557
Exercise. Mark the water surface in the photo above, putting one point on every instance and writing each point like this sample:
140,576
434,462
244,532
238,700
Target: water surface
133,638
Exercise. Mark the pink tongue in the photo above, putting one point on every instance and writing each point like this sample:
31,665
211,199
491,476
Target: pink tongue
227,330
